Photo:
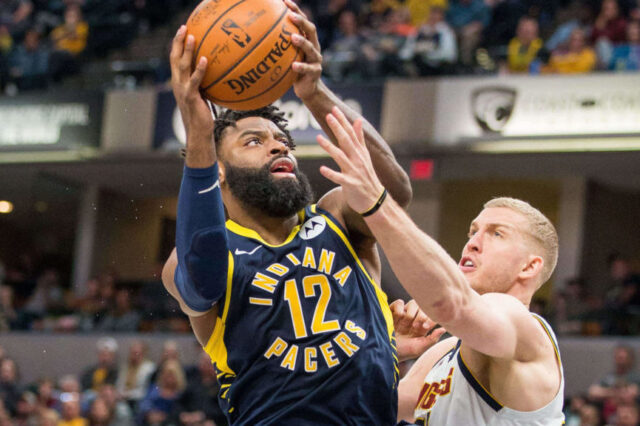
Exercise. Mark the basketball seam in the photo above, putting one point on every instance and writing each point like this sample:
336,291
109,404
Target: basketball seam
257,95
246,55
204,37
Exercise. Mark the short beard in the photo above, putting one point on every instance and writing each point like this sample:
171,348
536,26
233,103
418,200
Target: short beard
257,188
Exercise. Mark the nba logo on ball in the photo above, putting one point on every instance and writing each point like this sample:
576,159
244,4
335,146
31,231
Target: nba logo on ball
248,47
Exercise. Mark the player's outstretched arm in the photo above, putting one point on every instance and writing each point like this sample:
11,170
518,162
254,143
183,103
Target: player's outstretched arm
321,101
196,272
494,324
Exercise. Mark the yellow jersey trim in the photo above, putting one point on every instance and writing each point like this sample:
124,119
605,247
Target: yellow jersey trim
381,295
216,347
250,233
553,342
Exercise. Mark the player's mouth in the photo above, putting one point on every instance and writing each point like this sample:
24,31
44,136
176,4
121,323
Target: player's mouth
467,264
283,168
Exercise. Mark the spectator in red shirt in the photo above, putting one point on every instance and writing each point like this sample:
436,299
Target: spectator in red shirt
610,24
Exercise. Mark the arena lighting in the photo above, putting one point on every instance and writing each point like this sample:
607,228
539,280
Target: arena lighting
612,144
6,207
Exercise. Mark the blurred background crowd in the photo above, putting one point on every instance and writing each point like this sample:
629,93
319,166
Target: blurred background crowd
136,391
43,42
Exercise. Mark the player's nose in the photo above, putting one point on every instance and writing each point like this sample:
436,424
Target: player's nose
277,148
475,242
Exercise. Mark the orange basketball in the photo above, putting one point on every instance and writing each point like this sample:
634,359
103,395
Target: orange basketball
249,51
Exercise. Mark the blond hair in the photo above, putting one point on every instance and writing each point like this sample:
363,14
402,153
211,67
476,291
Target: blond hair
540,228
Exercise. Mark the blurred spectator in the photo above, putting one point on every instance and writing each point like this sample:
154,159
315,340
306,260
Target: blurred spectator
29,63
70,410
46,394
88,305
376,12
133,376
119,410
468,18
433,48
8,315
69,383
627,415
69,41
106,370
9,388
99,413
524,47
635,11
169,353
580,15
590,415
6,43
610,24
622,298
344,56
160,403
572,306
26,410
420,9
199,401
16,14
122,318
48,295
576,58
48,417
382,50
623,374
626,56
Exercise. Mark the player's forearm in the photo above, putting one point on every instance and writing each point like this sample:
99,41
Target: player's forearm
422,266
200,152
391,175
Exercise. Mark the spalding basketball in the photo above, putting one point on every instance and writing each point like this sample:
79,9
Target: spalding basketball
248,47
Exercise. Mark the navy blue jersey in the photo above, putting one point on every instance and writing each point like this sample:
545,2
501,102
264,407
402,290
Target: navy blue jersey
304,335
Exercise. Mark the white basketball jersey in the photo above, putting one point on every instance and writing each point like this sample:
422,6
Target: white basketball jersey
452,396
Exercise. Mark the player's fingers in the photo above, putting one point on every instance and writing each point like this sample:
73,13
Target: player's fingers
341,134
411,309
335,177
177,45
311,54
198,74
336,153
346,125
307,27
307,69
437,334
397,310
358,126
184,64
294,7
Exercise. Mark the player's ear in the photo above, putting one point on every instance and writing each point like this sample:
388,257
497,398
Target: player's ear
532,268
221,171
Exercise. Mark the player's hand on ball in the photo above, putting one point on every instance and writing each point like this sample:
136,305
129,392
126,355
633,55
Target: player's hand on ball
415,331
310,70
360,184
196,114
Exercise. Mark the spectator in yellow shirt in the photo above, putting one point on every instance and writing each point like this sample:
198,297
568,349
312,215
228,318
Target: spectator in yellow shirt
72,35
577,58
524,47
420,9
69,40
70,410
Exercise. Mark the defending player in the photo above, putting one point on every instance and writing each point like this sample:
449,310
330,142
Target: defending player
503,365
284,297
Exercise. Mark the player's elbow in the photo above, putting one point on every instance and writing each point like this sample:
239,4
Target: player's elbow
168,272
450,308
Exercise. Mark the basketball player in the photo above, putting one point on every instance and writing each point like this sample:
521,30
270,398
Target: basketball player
282,296
502,367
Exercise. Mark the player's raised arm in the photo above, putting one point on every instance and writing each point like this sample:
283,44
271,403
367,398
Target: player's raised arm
196,272
502,328
321,101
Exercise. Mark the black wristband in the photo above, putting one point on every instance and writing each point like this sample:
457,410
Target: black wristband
376,206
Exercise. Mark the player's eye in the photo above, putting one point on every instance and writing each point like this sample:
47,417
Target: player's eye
497,234
253,142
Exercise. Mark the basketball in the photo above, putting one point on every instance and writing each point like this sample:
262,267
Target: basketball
248,47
